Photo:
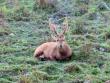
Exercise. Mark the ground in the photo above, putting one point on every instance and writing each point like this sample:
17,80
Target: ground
24,26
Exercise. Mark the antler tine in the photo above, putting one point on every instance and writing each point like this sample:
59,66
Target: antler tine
52,27
65,25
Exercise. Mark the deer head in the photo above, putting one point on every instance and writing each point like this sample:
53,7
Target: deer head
59,37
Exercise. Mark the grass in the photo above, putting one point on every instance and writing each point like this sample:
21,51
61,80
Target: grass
89,38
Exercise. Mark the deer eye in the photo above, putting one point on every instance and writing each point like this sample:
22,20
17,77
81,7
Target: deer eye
55,36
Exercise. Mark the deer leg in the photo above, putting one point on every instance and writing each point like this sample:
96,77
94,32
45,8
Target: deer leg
68,58
42,58
50,58
64,59
58,58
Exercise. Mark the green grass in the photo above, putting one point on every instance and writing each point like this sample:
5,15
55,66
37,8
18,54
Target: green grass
28,27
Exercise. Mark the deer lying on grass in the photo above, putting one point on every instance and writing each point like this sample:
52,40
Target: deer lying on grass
58,50
47,3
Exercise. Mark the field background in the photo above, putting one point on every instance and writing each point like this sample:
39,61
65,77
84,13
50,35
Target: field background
24,26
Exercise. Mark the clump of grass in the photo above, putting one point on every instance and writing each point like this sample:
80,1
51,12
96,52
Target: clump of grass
107,1
2,1
22,13
107,68
72,68
93,78
24,79
84,52
45,6
92,16
51,69
95,71
35,6
81,10
4,31
4,10
38,76
86,49
6,49
83,2
3,80
4,28
79,26
31,61
92,13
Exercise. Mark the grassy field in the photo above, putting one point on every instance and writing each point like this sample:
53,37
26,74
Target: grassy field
24,26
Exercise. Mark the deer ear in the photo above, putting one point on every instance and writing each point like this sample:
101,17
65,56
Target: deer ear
52,27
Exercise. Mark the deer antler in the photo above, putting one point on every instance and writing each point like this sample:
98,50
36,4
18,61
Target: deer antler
65,25
52,27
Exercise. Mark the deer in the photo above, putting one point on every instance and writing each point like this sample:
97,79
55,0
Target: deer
47,3
57,49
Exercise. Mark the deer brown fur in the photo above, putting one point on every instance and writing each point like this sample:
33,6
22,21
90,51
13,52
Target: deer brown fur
58,50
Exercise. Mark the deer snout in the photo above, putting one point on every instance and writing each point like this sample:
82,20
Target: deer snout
61,46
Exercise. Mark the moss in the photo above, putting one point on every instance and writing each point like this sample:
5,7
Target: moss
4,31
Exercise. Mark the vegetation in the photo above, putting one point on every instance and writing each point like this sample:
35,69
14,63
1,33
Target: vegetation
24,26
